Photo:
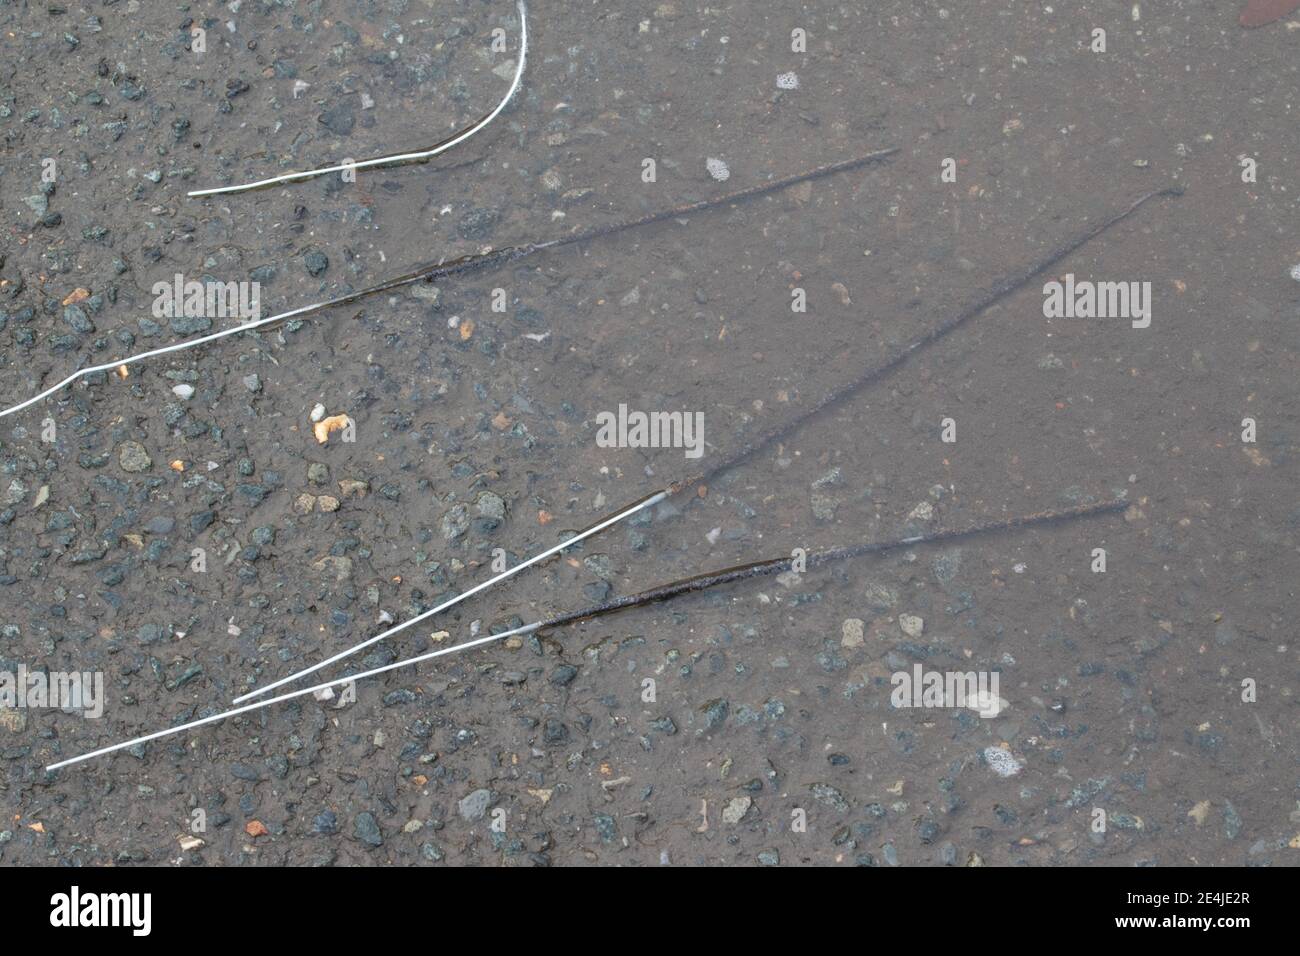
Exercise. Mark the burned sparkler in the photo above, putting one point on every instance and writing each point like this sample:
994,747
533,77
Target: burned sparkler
664,592
435,271
1001,289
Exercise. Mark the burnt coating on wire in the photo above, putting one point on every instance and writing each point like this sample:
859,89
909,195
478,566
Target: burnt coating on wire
1000,290
744,572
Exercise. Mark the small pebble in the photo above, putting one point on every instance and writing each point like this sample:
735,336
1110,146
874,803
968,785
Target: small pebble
132,457
367,829
1002,761
316,262
852,630
735,811
473,806
922,512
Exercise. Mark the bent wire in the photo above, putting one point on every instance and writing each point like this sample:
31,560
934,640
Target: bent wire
398,159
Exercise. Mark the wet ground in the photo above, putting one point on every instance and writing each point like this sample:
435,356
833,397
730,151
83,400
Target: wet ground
771,737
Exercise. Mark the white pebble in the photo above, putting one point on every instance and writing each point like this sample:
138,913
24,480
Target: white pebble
717,169
735,811
1002,761
1295,272
183,392
317,412
787,81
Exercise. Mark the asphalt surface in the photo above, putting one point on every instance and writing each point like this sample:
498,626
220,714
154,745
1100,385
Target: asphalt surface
768,734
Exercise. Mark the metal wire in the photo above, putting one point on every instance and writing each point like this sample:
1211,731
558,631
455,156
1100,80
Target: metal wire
1001,289
662,593
434,271
648,502
397,159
